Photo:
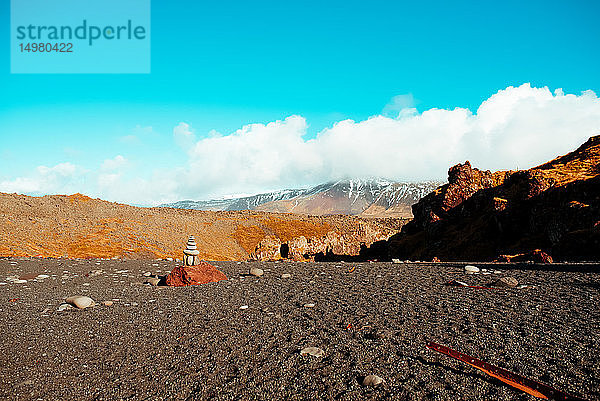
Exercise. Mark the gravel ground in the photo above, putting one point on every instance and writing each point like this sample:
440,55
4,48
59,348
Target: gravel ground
196,343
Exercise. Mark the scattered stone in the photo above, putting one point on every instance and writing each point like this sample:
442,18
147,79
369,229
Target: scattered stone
255,271
506,282
121,271
42,276
286,275
134,304
86,284
169,259
107,303
80,301
244,307
19,281
309,305
312,351
372,380
64,306
152,281
146,274
470,269
396,261
497,272
457,283
2,283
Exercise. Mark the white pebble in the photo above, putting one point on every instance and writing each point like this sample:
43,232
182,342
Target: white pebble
312,351
80,301
372,380
470,269
244,307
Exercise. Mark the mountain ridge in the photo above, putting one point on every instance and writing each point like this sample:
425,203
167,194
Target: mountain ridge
373,197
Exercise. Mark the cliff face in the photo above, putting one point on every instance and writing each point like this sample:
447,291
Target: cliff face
481,215
77,226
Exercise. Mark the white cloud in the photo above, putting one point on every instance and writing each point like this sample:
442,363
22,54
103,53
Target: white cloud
63,177
184,135
516,127
113,164
399,104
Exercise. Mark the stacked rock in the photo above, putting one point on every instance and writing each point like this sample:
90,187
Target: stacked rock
190,254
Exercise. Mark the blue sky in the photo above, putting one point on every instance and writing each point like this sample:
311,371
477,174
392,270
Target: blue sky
219,66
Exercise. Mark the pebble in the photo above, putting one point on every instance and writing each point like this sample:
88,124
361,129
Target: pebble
506,282
497,272
80,301
42,276
372,380
152,281
255,271
107,303
286,275
244,307
19,281
312,351
64,306
470,269
309,305
147,274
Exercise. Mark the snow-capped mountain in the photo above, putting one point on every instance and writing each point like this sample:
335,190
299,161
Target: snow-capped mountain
365,197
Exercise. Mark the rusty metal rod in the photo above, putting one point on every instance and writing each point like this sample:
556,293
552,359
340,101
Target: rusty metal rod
529,386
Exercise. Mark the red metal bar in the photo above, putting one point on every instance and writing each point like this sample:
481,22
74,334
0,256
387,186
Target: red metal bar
529,386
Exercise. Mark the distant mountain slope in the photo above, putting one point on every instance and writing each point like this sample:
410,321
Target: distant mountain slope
77,226
367,198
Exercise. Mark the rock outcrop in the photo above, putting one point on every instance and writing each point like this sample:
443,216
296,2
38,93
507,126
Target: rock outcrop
480,215
349,243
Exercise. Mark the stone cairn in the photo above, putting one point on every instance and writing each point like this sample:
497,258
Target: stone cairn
190,254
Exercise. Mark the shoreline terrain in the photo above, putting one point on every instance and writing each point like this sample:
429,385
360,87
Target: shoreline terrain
201,342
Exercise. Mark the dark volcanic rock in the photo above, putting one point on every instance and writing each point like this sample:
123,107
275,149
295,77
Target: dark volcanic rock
550,211
193,275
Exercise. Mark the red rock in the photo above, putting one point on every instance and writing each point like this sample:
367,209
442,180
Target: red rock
194,275
436,259
536,256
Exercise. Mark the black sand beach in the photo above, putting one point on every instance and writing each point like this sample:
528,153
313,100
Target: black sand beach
196,343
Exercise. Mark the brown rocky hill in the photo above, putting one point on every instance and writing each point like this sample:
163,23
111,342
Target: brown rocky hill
77,226
480,215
